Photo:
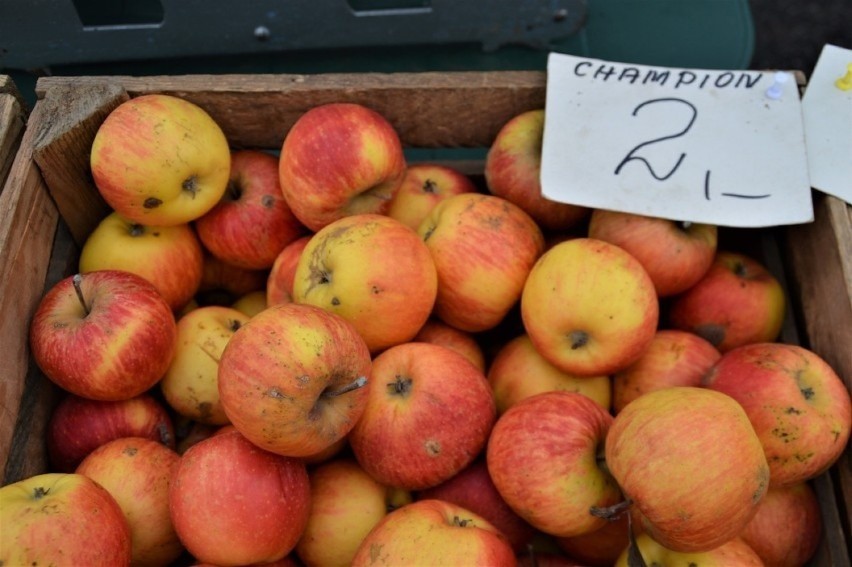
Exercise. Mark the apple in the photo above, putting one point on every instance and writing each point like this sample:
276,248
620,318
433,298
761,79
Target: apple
252,222
279,285
737,302
373,271
545,458
293,379
424,186
191,383
674,358
675,254
797,404
689,460
473,489
136,472
732,553
232,503
437,332
598,548
433,532
159,160
607,312
546,559
169,257
483,247
223,283
107,335
786,530
61,519
512,168
346,503
189,432
428,415
251,303
518,372
77,426
340,159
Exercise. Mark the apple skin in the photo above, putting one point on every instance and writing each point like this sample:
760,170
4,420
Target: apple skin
437,332
373,271
676,255
428,416
78,426
279,285
136,472
115,348
424,186
473,489
608,308
191,383
223,283
340,159
63,520
279,373
599,548
689,460
737,302
674,358
733,553
346,503
251,303
543,458
797,404
518,372
786,530
252,222
169,257
433,532
512,169
159,160
266,497
483,247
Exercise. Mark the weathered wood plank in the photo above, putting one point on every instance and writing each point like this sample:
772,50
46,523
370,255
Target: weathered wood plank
12,124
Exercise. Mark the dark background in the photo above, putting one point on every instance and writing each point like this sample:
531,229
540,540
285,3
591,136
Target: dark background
789,34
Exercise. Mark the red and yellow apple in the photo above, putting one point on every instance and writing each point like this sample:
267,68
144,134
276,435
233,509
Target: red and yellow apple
424,186
251,303
437,332
279,285
223,283
732,553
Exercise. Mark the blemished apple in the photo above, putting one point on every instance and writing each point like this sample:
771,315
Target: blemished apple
423,187
61,519
251,303
294,379
279,285
346,503
483,247
544,456
159,160
732,553
674,358
689,460
473,490
232,503
428,415
433,532
340,159
107,335
77,426
675,254
437,332
797,404
136,472
607,312
518,372
191,383
598,548
169,257
738,301
512,169
252,222
373,271
786,530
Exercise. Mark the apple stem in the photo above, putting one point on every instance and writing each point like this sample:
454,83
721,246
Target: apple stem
611,513
40,492
685,225
77,282
359,382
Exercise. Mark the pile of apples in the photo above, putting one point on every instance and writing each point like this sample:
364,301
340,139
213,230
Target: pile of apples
330,356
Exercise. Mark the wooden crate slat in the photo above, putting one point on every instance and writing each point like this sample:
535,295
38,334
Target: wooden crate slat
11,131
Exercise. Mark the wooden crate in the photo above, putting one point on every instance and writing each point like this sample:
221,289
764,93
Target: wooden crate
12,122
49,205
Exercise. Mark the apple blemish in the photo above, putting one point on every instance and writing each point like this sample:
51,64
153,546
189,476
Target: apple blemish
578,339
152,203
190,185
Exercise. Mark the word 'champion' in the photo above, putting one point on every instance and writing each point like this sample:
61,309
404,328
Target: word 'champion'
675,79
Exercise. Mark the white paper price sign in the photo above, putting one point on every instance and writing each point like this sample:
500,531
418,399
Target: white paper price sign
718,147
